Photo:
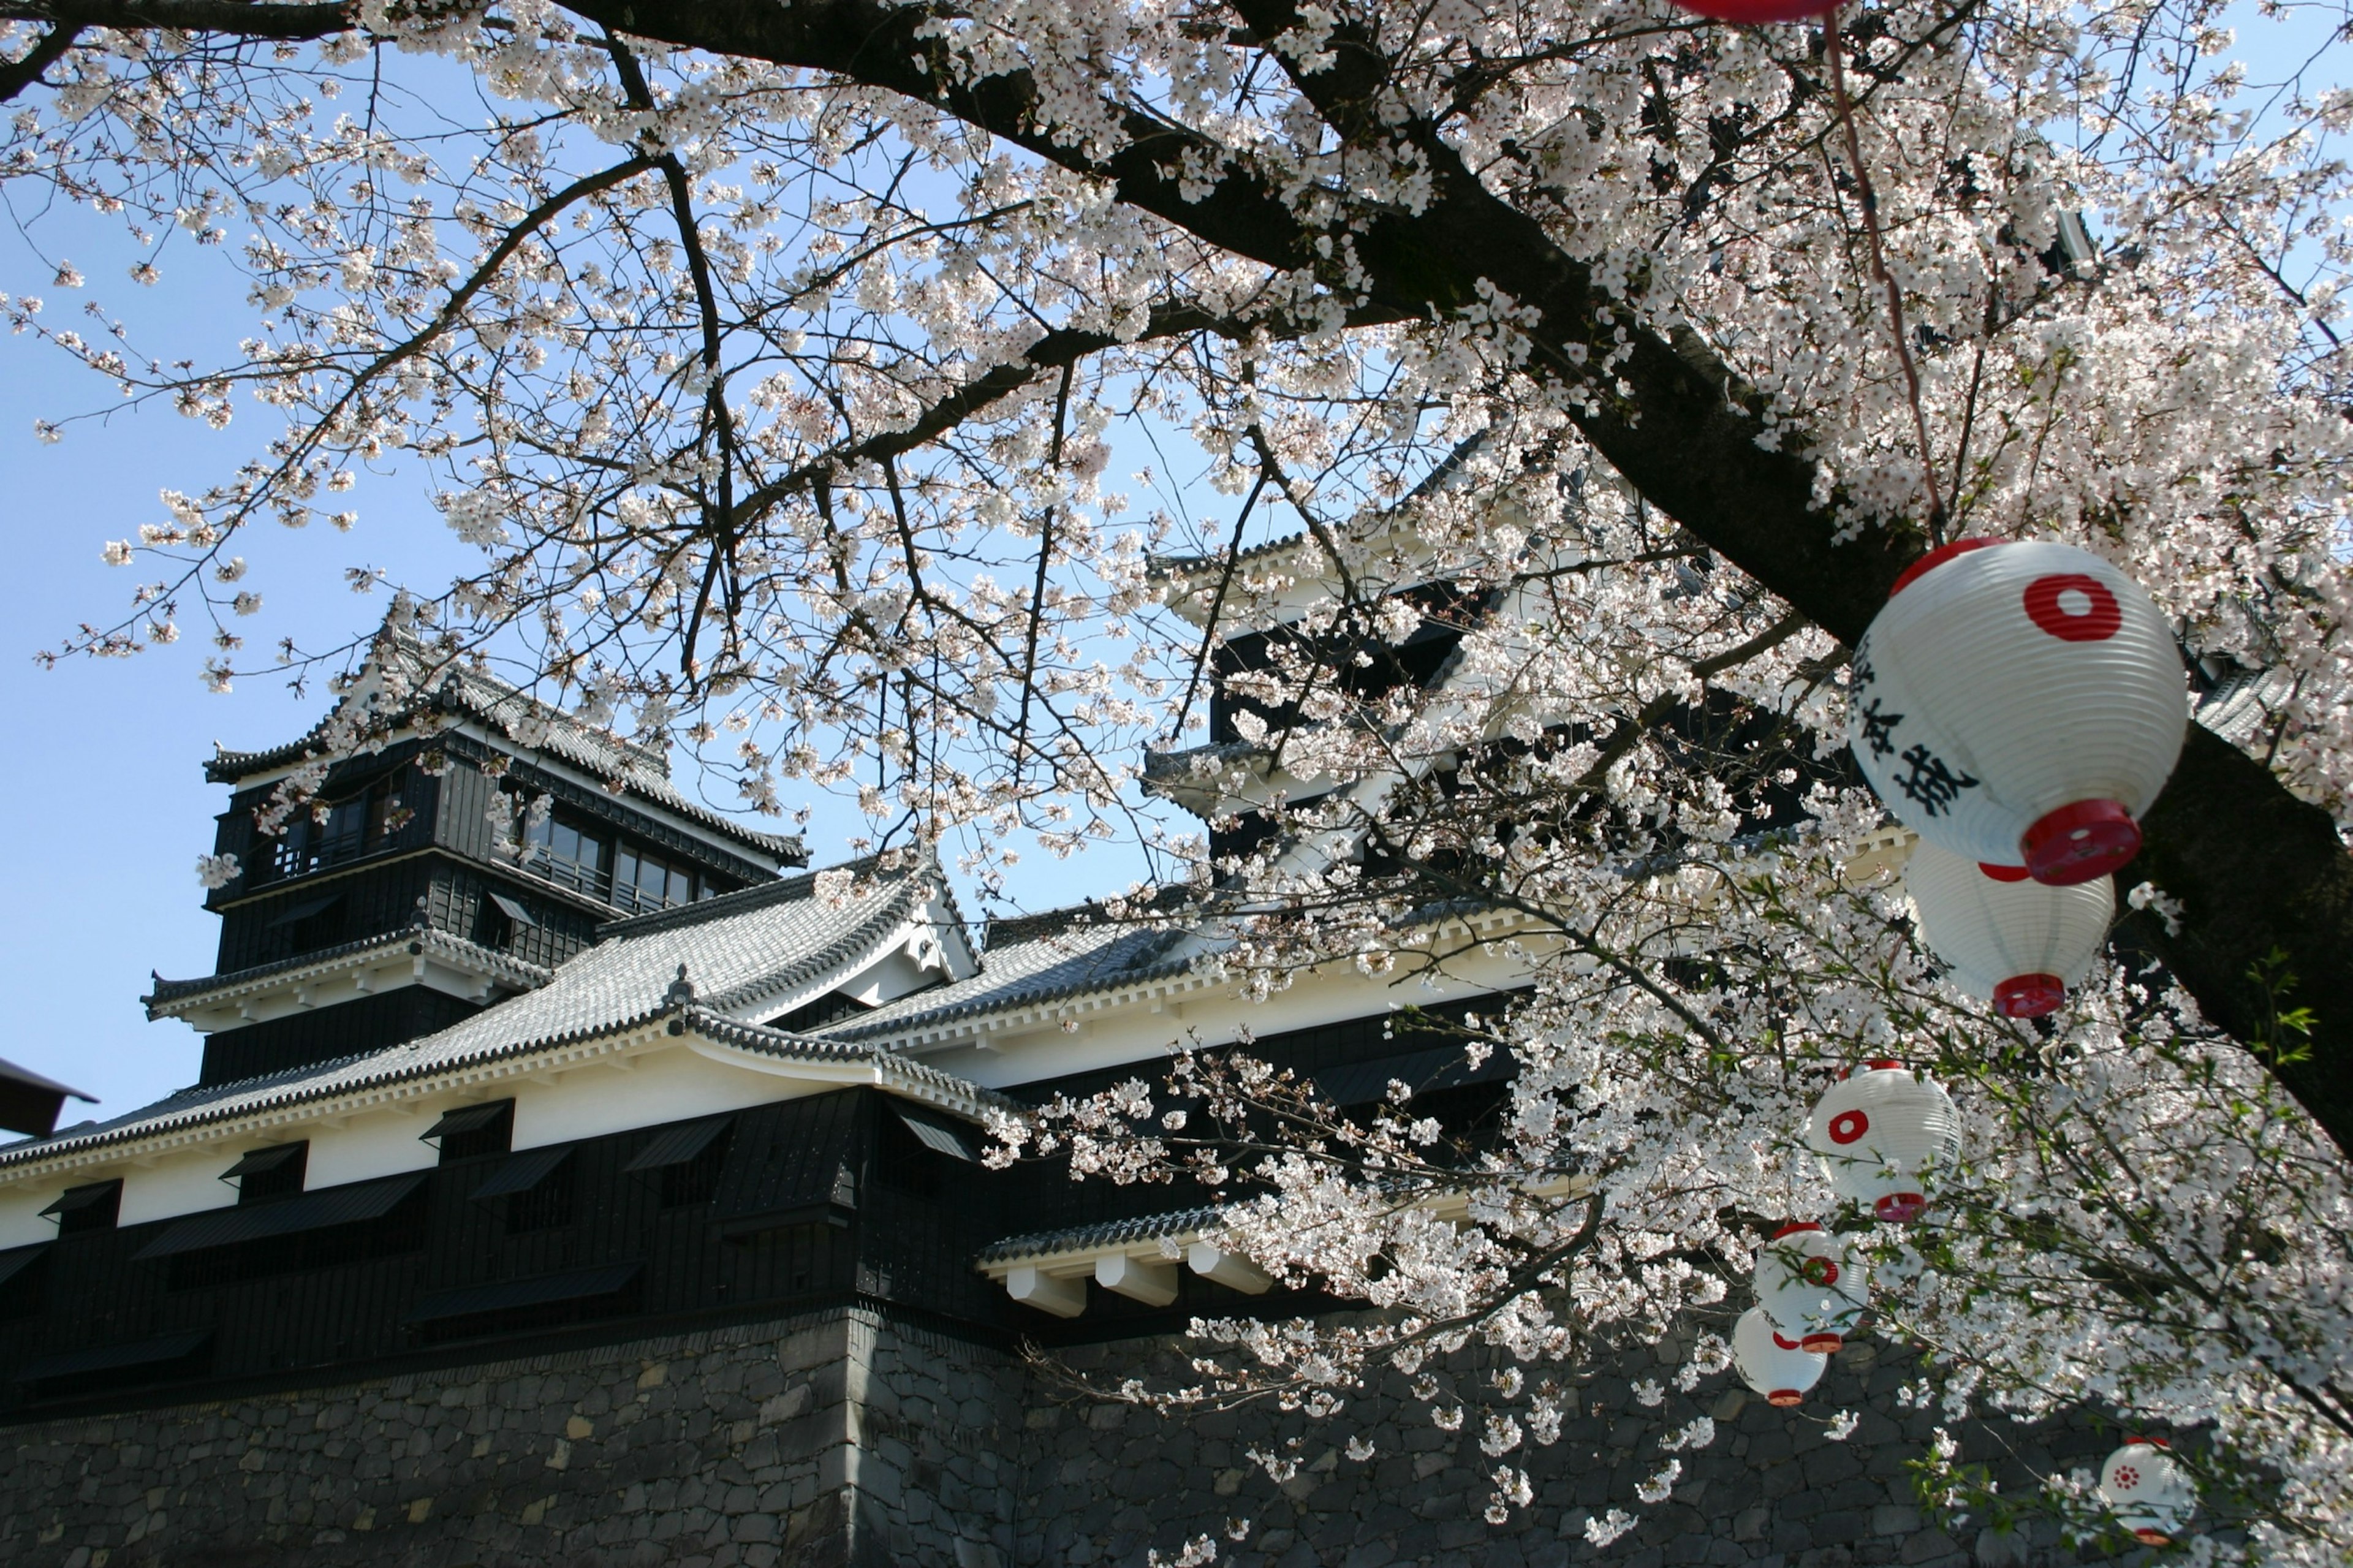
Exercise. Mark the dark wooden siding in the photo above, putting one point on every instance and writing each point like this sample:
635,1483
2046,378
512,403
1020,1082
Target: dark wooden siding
368,1024
420,795
459,903
468,791
907,1234
370,901
1038,1194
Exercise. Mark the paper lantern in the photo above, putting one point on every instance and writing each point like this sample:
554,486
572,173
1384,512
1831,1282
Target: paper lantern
1780,1369
2151,1496
1879,1133
1812,1286
2019,703
1754,11
2008,940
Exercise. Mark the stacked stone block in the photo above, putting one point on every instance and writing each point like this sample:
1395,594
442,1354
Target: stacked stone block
849,1439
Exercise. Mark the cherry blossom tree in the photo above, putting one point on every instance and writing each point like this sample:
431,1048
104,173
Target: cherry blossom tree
775,359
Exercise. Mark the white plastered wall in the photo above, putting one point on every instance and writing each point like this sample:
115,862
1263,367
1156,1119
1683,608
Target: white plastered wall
659,1082
662,1082
1146,1029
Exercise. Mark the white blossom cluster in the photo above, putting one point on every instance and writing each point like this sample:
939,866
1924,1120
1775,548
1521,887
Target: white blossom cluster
776,386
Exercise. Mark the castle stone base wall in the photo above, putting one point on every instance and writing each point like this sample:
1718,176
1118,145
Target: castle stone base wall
831,1441
848,1440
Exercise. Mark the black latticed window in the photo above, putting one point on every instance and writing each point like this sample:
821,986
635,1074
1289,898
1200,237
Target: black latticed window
83,1211
267,1174
548,1205
472,1131
696,1180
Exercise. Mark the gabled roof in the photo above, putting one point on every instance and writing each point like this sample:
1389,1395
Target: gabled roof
404,682
735,950
1041,958
171,996
1166,567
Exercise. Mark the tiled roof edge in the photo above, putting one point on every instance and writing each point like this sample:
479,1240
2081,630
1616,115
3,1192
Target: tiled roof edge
1102,1233
1142,974
528,977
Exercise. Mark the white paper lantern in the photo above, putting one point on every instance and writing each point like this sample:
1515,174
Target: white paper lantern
2150,1495
1780,1369
1882,1134
2019,703
2008,940
1812,1286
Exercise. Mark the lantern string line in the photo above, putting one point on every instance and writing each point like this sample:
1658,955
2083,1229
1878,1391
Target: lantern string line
1836,50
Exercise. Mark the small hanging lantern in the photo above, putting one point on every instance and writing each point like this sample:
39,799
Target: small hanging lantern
1811,1285
1780,1369
2019,703
2008,940
2150,1495
1879,1133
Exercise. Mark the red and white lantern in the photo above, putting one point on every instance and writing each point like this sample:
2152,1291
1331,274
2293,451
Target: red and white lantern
1780,1369
2008,939
2150,1495
1812,1286
1882,1134
2019,703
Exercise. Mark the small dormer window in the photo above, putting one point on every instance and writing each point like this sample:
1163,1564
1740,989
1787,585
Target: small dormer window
268,1174
82,1210
470,1132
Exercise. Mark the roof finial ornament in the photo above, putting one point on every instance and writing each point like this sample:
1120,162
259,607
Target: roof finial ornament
682,990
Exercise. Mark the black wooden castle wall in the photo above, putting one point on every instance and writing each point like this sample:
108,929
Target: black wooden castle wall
803,1201
348,1028
826,1198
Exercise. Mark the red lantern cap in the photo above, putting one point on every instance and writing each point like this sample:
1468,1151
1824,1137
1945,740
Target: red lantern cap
1794,1226
2076,843
1901,1208
1784,1397
2004,873
1822,1343
2148,1537
2029,995
1938,556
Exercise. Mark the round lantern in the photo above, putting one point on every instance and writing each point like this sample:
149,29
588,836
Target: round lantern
1880,1132
1780,1369
2019,703
2150,1495
1811,1285
2008,940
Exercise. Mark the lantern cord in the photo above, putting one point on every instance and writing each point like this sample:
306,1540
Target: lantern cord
1836,50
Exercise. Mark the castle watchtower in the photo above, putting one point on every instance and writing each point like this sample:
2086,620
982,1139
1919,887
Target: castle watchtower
474,841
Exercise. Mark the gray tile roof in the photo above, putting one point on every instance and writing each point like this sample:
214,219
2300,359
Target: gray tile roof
736,950
1042,959
406,680
509,970
1103,1233
2244,703
1167,566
